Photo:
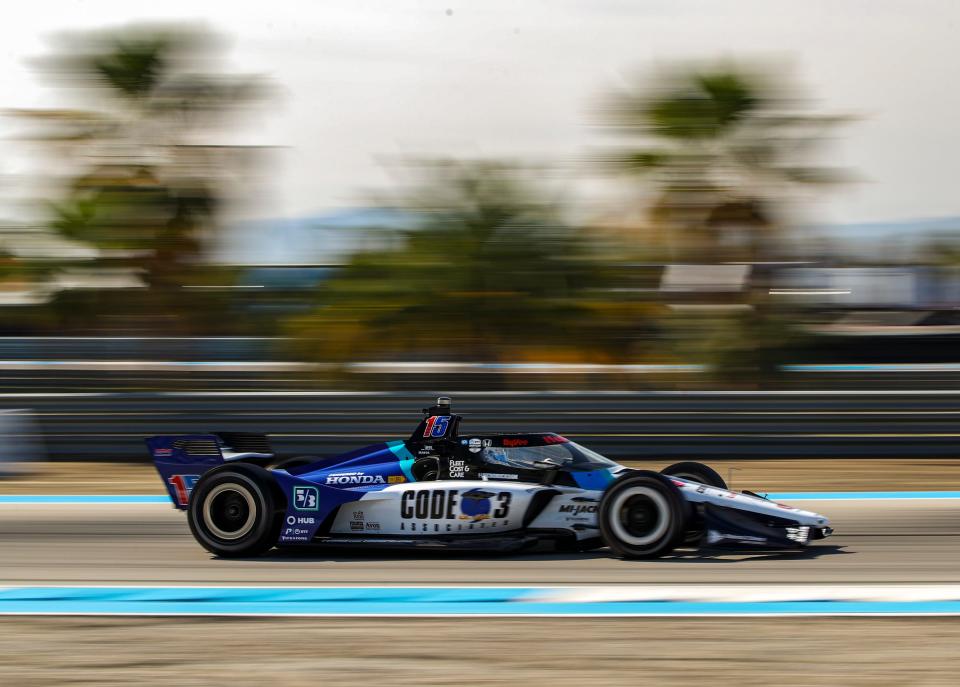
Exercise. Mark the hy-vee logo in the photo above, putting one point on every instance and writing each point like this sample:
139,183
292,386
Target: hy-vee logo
351,478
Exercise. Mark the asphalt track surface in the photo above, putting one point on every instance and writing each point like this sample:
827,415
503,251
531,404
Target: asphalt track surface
876,541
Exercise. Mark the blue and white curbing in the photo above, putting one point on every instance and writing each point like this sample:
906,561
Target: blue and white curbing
585,601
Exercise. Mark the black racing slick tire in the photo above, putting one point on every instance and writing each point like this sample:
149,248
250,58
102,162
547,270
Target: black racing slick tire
704,474
642,515
695,472
236,510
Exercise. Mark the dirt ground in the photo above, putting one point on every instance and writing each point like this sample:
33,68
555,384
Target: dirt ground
854,474
39,651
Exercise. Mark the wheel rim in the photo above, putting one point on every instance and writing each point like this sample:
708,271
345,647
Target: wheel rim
639,516
229,511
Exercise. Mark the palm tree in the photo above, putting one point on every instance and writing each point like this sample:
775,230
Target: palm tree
724,148
141,182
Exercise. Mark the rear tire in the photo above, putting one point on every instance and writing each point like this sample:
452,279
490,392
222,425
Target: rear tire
236,510
642,515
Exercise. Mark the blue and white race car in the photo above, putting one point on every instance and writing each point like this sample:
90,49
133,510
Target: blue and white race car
444,489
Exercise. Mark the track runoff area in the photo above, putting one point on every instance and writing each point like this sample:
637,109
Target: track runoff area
621,600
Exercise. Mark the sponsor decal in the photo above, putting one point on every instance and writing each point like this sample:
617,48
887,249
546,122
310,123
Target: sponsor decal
713,537
306,498
162,452
396,479
358,515
294,520
475,505
701,489
555,439
577,509
458,469
450,504
474,445
295,534
373,526
182,486
497,475
515,442
356,526
436,426
346,479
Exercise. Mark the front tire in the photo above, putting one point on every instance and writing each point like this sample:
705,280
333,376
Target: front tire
642,515
703,474
695,472
235,510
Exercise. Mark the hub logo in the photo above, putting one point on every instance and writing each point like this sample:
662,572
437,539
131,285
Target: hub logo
294,520
306,498
346,479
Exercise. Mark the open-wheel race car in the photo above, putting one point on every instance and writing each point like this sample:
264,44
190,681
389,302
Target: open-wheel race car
444,489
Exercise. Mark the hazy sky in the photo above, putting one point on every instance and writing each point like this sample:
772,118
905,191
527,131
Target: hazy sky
367,82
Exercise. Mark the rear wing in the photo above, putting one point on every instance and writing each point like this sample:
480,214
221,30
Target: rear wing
182,459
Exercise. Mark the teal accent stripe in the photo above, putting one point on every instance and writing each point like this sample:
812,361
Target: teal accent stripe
399,449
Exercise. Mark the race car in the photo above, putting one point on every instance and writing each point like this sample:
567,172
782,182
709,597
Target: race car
443,489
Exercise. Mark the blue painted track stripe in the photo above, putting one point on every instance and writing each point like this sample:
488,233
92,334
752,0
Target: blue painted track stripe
53,499
424,601
860,495
25,499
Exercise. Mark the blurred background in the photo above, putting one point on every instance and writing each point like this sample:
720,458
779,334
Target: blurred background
423,196
668,229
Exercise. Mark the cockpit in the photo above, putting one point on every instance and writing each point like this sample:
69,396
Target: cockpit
525,454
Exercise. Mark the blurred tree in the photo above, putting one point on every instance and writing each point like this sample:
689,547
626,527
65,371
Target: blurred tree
727,152
144,169
487,271
725,148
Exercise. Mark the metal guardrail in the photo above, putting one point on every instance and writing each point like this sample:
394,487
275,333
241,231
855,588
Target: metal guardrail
112,425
